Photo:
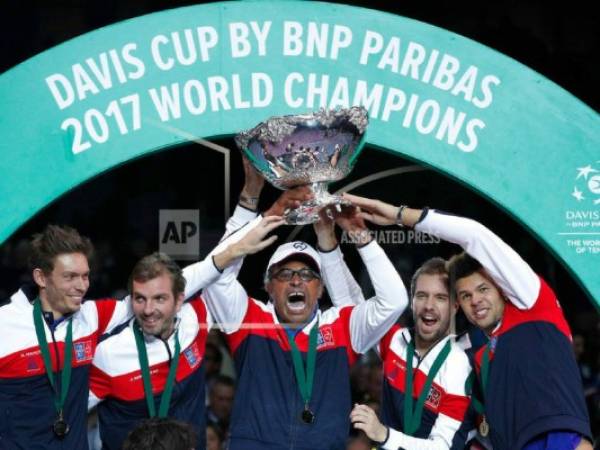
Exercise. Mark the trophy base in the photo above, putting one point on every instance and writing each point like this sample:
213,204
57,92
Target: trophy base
308,212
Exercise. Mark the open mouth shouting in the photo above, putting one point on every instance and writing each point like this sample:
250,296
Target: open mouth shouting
296,301
429,322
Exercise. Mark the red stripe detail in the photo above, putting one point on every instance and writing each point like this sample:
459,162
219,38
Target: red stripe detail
99,382
255,315
105,308
200,308
28,362
438,400
454,406
258,322
384,344
545,309
343,326
130,386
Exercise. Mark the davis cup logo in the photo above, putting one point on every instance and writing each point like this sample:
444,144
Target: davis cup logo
587,184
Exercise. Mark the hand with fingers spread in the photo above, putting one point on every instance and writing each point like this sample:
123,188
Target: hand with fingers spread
253,185
290,199
364,418
325,230
253,242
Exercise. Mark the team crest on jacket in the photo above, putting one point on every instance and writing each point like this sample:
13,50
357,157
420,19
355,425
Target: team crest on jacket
192,355
434,397
83,351
325,337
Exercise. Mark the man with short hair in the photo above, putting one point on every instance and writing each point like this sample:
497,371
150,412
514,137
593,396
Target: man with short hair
431,417
152,366
48,337
532,394
286,401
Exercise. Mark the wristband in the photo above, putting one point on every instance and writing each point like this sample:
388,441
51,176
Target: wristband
399,215
251,202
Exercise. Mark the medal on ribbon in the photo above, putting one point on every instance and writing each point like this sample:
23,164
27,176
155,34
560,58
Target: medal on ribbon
60,427
305,378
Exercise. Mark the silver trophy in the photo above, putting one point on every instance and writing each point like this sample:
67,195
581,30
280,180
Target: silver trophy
310,149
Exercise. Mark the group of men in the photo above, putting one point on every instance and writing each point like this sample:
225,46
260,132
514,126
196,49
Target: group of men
142,357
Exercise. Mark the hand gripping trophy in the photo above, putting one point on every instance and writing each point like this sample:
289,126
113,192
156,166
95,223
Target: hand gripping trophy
310,149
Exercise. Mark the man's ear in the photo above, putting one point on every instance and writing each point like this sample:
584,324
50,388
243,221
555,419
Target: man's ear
39,277
268,288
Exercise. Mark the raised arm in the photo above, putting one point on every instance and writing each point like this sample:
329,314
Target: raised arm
514,276
226,298
247,208
202,273
370,320
339,281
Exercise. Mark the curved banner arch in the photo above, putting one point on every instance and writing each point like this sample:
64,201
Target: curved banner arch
119,92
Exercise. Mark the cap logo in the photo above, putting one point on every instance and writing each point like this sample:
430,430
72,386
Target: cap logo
300,246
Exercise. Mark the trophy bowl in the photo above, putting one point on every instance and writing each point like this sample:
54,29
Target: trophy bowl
308,149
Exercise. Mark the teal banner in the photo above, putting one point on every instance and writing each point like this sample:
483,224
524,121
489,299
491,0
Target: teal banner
156,81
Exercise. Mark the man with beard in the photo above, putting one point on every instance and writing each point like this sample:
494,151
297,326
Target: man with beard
49,336
424,401
287,402
532,397
152,366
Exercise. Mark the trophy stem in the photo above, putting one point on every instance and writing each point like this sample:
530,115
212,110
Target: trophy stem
322,195
308,212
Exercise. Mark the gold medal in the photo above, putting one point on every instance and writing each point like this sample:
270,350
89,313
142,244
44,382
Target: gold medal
484,427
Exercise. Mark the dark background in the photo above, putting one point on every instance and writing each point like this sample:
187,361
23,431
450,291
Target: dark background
119,210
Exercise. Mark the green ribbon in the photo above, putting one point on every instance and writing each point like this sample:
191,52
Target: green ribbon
479,405
412,418
305,379
145,367
65,376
